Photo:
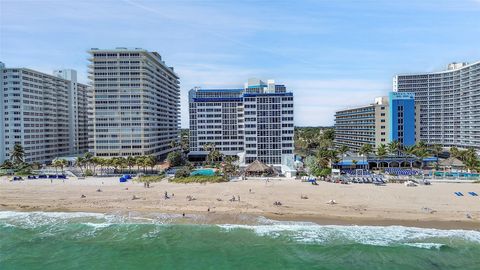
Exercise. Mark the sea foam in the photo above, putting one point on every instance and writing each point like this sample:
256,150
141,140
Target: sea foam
369,235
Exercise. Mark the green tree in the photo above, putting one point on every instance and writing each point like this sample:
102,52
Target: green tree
214,155
130,162
56,163
343,149
150,161
366,150
80,163
182,172
409,151
176,158
394,147
421,153
17,154
381,152
229,167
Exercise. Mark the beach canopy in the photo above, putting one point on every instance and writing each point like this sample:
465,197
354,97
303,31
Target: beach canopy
258,168
451,162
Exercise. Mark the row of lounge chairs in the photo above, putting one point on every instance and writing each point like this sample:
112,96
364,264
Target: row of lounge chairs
368,180
355,172
399,171
41,176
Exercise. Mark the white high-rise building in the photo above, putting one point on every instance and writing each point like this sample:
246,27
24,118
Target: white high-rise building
449,103
46,114
254,122
136,103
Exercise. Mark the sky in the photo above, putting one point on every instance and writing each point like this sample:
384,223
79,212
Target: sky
331,54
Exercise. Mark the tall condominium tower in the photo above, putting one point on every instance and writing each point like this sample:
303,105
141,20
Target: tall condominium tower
388,119
449,103
254,122
136,103
46,114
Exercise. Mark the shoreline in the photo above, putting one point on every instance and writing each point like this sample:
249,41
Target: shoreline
433,206
202,218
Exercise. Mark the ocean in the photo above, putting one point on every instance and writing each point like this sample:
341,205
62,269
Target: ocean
51,240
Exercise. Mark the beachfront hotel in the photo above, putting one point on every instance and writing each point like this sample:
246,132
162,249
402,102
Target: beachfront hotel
449,104
136,102
46,114
254,122
387,119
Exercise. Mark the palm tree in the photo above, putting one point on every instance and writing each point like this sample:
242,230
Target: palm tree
63,164
393,147
471,164
80,163
421,154
229,167
343,149
214,154
365,150
436,149
381,151
88,159
17,154
139,162
56,163
454,152
150,161
409,152
130,162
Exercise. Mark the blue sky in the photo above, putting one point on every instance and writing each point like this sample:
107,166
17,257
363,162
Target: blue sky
331,54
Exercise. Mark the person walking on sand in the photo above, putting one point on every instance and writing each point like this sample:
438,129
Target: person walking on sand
238,197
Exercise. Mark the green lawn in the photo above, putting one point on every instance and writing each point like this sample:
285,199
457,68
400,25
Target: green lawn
199,179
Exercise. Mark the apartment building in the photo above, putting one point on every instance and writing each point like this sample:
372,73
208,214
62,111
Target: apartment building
46,114
136,103
449,103
389,118
254,122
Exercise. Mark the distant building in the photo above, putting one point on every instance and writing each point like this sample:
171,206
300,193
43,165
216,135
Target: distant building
449,103
46,114
136,103
254,122
388,119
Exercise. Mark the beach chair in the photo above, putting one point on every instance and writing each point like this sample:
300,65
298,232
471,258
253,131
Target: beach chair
473,193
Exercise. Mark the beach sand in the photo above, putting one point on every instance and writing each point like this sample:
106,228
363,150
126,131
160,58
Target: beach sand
434,206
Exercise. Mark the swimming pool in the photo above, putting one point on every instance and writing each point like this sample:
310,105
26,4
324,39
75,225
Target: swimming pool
208,172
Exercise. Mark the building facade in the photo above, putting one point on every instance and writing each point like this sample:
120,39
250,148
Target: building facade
136,102
254,122
388,119
449,103
46,114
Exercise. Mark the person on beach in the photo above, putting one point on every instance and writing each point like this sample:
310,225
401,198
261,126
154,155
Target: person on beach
238,197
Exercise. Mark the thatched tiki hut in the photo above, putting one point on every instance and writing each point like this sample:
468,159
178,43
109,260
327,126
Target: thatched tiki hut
451,163
258,168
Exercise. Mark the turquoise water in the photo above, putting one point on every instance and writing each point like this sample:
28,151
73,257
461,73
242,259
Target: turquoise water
95,241
208,172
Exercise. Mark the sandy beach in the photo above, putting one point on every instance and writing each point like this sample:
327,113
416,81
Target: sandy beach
434,206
